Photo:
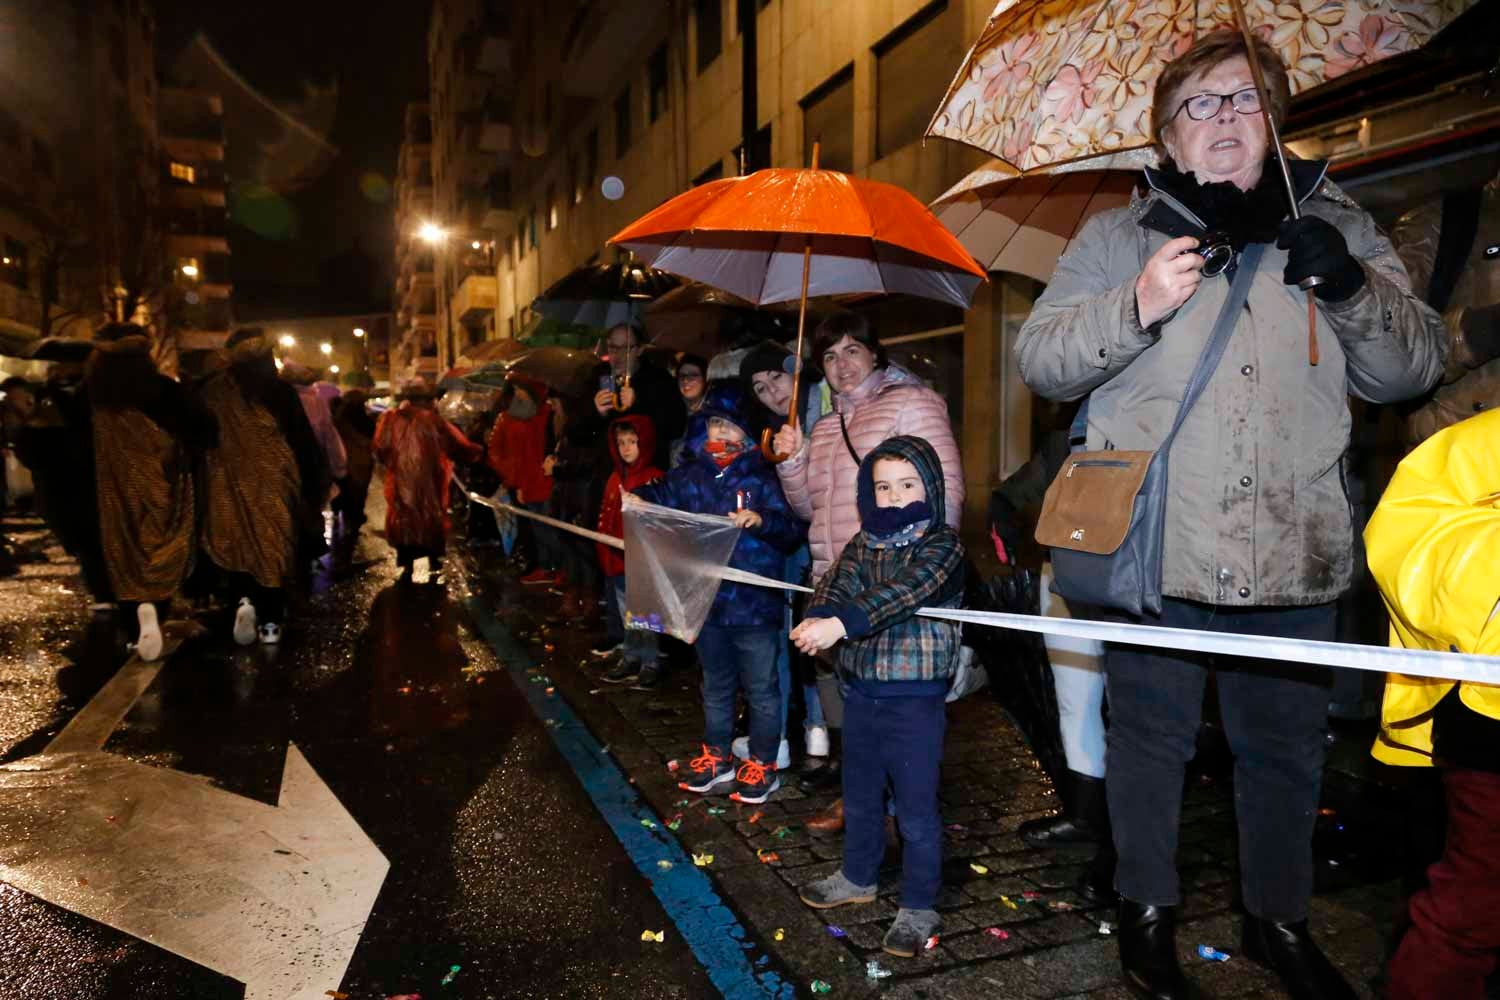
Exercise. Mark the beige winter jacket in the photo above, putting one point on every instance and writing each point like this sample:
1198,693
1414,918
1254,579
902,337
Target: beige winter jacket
1467,388
1257,512
819,480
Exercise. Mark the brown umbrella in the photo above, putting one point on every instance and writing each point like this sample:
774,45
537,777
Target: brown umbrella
1024,224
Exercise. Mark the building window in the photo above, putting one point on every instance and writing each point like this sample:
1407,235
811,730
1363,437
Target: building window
531,226
183,172
575,181
758,156
521,239
622,123
905,92
713,173
828,119
657,70
708,18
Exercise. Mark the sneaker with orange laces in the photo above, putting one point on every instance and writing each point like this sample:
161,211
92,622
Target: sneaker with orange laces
755,782
710,770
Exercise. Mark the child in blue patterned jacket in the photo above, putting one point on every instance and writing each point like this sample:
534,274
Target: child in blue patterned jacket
723,472
896,668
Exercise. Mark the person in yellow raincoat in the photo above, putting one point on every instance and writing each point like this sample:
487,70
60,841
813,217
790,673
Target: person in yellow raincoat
1434,549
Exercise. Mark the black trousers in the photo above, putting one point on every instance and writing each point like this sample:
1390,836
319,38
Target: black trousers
1275,716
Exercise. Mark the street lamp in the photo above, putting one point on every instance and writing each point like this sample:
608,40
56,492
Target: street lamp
359,333
431,232
326,348
191,270
288,341
333,369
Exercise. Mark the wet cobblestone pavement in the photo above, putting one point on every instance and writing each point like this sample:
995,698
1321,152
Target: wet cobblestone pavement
459,783
1016,929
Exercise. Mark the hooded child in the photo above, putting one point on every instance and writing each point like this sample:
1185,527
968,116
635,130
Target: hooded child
897,667
724,473
632,442
518,450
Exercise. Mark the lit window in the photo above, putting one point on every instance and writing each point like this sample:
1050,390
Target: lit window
183,172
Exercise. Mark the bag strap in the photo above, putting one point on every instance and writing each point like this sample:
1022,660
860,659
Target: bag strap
1459,227
847,443
1218,340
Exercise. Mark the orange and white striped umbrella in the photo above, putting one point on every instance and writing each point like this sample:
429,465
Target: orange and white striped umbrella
1024,224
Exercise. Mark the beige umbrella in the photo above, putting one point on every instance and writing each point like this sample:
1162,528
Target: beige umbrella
1024,224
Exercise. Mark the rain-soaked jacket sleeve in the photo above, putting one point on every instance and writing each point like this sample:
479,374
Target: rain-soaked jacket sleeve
460,448
1396,346
1084,329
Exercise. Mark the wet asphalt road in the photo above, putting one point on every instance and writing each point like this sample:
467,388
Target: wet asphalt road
500,863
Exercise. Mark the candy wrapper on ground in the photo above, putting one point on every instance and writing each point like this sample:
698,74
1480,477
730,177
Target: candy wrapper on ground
1209,954
656,936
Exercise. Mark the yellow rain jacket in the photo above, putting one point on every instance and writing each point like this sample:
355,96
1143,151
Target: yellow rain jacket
1434,549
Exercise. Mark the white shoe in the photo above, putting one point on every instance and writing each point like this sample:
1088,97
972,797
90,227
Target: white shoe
270,634
741,749
817,741
244,622
148,646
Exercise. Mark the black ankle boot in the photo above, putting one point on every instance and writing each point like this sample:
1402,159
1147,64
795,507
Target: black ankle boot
1290,952
820,779
1096,884
1148,953
1084,818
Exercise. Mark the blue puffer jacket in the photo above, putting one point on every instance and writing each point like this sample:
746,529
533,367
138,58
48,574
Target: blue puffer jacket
701,487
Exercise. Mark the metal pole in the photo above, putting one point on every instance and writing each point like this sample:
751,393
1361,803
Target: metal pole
1312,281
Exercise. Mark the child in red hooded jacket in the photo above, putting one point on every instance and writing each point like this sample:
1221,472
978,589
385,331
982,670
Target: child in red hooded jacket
632,443
517,450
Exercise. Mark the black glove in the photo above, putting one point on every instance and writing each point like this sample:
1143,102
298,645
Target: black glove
1316,248
1003,529
1481,334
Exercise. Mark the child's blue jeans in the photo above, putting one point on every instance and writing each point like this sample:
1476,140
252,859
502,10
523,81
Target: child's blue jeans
639,644
735,659
897,743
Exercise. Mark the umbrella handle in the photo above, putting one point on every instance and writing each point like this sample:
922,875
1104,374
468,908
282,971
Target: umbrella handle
1279,155
768,450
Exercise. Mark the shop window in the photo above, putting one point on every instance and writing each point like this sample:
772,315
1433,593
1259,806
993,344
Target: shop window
828,119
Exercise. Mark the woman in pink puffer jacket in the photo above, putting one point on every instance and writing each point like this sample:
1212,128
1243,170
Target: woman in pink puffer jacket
872,401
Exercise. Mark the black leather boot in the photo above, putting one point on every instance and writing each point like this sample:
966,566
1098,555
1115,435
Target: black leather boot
1084,819
1096,884
1148,953
1290,952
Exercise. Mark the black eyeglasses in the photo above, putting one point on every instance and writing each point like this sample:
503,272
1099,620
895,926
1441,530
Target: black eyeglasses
1202,107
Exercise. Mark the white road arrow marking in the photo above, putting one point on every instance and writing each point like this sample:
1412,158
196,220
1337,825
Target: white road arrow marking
273,896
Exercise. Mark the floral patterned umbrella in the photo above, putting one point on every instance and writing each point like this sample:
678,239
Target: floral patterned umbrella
1051,82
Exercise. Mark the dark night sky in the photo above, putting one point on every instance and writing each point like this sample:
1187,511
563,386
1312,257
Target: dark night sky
376,51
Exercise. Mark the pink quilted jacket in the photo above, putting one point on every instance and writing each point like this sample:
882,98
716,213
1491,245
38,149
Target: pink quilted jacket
820,479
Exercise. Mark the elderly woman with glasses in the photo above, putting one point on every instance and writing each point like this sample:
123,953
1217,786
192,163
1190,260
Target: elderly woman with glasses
1258,538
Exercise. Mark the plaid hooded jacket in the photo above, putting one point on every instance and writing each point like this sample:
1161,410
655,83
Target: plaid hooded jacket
877,585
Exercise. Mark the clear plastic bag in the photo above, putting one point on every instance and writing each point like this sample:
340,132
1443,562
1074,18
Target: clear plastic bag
505,521
673,564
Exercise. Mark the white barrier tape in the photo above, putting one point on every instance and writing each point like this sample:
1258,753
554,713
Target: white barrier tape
1377,659
493,504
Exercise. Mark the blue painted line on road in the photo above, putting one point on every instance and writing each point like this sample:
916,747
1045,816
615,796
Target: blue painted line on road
709,927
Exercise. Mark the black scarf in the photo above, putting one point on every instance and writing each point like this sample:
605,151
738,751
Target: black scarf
1245,217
